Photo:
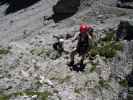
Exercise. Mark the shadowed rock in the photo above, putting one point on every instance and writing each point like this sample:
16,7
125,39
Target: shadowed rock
124,31
130,79
125,4
15,5
64,9
77,67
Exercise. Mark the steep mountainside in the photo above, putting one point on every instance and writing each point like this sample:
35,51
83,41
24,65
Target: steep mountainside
30,69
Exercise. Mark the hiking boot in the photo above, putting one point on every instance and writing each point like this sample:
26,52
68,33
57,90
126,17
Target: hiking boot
71,63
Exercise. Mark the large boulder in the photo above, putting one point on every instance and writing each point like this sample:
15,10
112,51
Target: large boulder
66,6
16,5
64,9
125,4
130,79
125,1
125,30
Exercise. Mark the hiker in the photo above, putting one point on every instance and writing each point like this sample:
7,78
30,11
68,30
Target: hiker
84,38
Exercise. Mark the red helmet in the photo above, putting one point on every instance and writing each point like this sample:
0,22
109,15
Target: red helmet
85,28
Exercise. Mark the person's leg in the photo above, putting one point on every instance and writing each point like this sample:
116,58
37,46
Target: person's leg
72,57
82,59
82,65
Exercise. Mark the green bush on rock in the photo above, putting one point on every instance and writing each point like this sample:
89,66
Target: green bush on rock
4,97
108,37
107,46
93,68
4,51
42,52
123,83
42,95
104,83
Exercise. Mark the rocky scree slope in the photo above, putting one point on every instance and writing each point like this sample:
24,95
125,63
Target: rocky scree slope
29,67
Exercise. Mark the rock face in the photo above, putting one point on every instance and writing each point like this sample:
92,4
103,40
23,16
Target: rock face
130,80
30,69
64,9
125,30
125,4
15,5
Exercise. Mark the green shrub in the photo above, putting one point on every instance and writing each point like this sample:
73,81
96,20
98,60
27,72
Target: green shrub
93,52
93,68
4,51
107,51
104,83
40,52
4,97
108,37
118,46
107,46
62,79
123,83
77,90
42,95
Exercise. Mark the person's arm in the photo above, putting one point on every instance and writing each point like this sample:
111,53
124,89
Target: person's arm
93,35
75,37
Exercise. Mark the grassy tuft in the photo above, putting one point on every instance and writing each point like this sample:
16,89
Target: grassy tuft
40,52
4,51
109,37
93,52
107,50
104,83
123,83
93,68
42,95
62,80
77,90
107,46
4,97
